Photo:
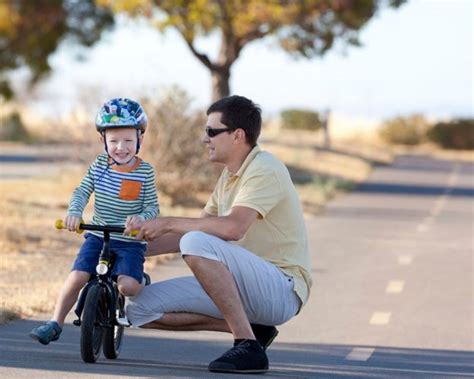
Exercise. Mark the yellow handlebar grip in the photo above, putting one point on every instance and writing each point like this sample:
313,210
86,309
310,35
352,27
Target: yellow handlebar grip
59,224
134,233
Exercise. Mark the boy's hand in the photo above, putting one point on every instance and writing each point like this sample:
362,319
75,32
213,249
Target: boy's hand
133,223
71,223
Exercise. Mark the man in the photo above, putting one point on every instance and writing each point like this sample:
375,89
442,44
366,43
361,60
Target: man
248,251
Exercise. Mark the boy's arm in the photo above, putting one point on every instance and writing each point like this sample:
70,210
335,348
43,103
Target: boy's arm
80,196
151,207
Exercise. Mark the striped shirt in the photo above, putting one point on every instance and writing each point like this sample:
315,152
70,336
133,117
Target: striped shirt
119,192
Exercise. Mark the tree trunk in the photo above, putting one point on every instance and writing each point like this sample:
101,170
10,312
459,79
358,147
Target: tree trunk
220,83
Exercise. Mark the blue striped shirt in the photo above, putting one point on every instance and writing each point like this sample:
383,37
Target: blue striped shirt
119,192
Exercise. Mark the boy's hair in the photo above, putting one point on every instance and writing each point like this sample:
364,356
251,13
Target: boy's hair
238,112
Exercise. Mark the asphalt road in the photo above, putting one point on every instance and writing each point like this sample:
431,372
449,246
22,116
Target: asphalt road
392,295
18,162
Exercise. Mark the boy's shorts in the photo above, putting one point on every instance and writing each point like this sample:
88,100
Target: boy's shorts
130,257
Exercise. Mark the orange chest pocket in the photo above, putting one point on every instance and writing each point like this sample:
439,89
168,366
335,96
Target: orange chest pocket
130,190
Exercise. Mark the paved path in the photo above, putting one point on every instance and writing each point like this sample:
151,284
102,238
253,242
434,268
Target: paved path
392,295
18,161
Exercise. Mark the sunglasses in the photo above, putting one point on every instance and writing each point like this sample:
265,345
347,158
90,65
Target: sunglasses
214,132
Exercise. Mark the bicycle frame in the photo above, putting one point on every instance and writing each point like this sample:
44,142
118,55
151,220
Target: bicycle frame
100,307
103,269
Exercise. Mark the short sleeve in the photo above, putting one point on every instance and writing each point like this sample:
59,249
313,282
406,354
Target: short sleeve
211,205
261,191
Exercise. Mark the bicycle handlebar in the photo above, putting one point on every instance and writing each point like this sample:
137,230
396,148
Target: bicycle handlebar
100,228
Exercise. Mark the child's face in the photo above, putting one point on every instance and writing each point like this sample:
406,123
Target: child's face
121,144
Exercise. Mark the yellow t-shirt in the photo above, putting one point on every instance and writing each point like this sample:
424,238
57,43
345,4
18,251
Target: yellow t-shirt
279,233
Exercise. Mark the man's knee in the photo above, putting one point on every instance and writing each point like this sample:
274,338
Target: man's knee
138,310
192,242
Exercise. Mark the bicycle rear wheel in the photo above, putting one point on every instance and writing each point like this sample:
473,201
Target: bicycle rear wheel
93,318
113,334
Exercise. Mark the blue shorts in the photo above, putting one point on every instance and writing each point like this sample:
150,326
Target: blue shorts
130,257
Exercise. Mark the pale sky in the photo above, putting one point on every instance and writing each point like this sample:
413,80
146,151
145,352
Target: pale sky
418,58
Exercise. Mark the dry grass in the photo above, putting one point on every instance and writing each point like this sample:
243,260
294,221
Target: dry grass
36,258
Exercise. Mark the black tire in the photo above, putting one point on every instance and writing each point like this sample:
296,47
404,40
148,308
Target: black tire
94,316
113,335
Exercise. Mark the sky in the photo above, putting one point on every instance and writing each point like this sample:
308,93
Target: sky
415,59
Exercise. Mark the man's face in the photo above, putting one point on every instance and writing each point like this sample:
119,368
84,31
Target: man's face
121,144
220,145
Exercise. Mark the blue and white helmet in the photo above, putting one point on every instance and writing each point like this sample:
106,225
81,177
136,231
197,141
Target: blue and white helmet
121,113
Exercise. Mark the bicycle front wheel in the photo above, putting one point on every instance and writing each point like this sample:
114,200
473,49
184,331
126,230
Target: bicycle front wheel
114,333
93,318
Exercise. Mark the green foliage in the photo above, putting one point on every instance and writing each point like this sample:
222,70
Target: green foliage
300,119
13,129
30,31
172,144
457,134
404,130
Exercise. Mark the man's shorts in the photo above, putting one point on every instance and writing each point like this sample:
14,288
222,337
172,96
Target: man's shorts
267,293
130,257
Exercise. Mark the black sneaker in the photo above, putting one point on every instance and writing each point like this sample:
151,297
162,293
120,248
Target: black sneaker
247,356
146,279
264,334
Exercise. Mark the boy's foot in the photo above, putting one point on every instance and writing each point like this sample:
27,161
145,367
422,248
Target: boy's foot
247,356
123,321
264,334
47,332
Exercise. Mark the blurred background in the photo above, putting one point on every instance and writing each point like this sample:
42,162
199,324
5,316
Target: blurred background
343,84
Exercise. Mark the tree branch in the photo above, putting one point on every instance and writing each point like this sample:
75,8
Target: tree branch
203,58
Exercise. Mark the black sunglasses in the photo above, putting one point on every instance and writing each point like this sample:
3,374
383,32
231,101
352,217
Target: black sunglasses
214,132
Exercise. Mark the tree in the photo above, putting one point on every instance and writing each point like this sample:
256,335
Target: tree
30,31
304,28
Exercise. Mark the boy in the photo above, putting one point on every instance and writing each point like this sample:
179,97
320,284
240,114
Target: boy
125,192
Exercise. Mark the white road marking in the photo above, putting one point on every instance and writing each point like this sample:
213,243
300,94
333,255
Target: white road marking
380,318
440,201
405,260
360,353
395,286
439,204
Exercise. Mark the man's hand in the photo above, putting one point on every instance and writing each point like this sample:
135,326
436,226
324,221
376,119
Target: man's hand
152,229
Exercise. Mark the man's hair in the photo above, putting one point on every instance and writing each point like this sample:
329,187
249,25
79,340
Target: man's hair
238,112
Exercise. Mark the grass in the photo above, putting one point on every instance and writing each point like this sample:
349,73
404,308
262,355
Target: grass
36,258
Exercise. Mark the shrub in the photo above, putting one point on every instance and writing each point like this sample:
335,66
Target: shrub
404,130
172,145
300,119
13,129
457,134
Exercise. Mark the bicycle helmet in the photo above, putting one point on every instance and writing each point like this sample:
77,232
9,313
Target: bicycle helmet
121,113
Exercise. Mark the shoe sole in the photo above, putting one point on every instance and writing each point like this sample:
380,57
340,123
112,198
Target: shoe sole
36,338
269,342
256,371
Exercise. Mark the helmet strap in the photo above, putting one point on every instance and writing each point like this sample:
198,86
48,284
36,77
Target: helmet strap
138,140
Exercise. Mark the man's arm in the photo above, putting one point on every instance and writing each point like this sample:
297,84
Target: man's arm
230,228
167,243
